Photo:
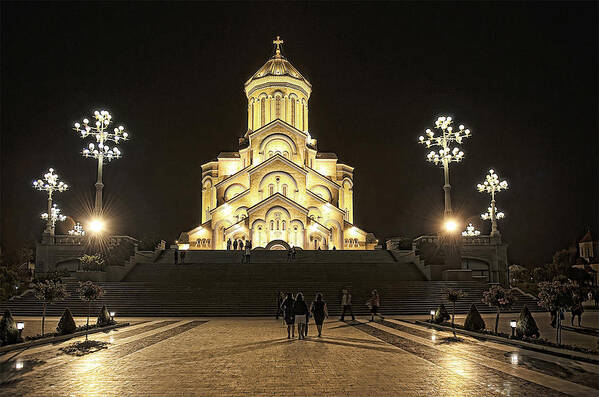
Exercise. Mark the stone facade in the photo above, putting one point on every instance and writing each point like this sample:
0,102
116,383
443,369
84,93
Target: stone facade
277,190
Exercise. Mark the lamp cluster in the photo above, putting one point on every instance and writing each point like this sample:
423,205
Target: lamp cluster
54,216
50,183
492,184
100,131
488,215
470,231
444,140
77,230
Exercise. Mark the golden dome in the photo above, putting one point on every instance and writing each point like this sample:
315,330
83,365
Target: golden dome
278,65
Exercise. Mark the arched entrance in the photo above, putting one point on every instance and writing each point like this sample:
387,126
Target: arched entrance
277,245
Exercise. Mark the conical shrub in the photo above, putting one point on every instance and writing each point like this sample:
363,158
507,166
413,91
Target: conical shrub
103,316
527,326
66,325
441,315
9,333
474,322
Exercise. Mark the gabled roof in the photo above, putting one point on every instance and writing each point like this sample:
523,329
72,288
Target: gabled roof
275,197
587,237
277,157
274,123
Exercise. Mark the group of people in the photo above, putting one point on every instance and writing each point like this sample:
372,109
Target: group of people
239,245
295,311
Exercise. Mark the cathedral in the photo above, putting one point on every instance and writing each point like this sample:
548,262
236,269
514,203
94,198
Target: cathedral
277,190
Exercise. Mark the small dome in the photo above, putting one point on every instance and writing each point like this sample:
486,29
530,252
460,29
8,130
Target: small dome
278,65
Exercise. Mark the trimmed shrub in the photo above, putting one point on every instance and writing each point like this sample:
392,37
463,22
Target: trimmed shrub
474,322
527,326
66,325
103,316
9,333
441,315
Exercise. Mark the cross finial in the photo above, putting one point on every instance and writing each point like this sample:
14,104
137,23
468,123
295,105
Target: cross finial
278,43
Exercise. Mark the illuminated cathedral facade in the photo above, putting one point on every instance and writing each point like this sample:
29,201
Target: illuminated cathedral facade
277,190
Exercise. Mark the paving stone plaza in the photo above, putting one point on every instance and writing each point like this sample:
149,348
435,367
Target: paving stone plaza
252,356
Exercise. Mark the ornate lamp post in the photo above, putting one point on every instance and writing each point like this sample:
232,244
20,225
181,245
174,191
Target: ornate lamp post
444,138
492,185
101,150
54,216
50,184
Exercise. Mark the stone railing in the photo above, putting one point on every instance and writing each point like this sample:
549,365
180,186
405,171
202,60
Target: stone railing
111,241
465,240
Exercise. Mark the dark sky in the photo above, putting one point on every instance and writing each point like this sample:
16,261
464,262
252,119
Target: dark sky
523,77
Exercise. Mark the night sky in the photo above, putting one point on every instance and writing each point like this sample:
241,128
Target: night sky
522,77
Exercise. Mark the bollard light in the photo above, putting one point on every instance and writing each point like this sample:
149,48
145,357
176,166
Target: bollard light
20,325
19,365
112,315
432,315
513,324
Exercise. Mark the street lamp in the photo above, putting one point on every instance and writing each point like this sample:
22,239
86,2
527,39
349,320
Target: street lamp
54,216
77,230
470,231
446,154
50,184
492,185
101,150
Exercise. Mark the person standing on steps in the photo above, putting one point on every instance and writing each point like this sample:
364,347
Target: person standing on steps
289,315
241,245
249,244
319,312
289,254
248,252
235,245
183,253
346,305
301,313
577,309
176,254
293,252
374,303
228,244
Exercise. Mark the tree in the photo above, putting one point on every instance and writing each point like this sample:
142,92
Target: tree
500,298
441,315
557,297
92,262
527,326
89,292
49,292
474,321
453,295
66,325
9,333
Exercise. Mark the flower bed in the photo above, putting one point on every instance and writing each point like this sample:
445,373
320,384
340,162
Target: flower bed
79,329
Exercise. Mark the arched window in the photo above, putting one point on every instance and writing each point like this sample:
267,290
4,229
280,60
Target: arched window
283,225
293,111
277,225
262,111
272,225
284,190
271,189
278,107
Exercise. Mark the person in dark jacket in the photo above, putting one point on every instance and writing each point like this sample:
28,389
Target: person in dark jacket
301,313
234,245
280,299
289,315
577,310
228,244
319,311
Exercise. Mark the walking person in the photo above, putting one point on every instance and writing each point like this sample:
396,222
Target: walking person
577,310
346,305
301,310
289,315
229,245
234,245
280,299
319,312
374,303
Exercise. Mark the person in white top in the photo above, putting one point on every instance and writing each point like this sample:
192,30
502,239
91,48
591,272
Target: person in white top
346,304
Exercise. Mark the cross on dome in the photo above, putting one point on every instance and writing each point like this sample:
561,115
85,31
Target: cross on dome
278,43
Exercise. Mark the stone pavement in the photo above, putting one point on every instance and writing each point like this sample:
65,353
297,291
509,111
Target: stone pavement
252,356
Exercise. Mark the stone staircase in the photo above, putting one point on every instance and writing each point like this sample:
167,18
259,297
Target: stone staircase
219,285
